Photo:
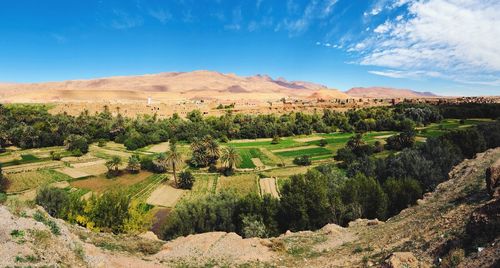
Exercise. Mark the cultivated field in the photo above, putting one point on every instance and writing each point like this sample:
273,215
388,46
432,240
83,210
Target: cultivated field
241,184
23,181
101,183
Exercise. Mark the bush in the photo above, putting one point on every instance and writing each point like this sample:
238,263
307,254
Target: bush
76,152
304,160
323,143
276,140
101,143
186,180
212,168
53,200
55,155
253,227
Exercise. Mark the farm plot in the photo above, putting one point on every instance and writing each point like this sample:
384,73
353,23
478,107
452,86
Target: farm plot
308,139
23,159
23,181
286,172
159,148
98,161
100,183
253,157
108,153
32,167
268,186
93,170
73,172
310,152
203,185
165,196
141,191
241,184
246,159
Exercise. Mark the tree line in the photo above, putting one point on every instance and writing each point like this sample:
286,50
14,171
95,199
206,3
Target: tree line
32,126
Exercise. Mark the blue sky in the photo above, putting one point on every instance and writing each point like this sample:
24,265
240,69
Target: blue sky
446,46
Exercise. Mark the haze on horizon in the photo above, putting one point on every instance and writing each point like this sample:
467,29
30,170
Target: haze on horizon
444,46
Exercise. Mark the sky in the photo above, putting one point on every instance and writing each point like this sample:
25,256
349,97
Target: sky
449,47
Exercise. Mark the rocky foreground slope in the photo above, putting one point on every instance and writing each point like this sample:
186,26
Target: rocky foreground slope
458,223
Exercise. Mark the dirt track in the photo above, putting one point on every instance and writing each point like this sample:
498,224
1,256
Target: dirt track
268,186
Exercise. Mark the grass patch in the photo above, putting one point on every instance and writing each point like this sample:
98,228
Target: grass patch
310,152
29,180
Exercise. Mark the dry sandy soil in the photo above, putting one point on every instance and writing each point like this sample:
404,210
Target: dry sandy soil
268,186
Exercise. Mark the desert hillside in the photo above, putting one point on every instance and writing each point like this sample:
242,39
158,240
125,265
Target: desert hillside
165,87
456,223
386,93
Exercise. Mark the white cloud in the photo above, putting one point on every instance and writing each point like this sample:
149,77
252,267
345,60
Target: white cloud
315,10
161,15
459,38
236,20
123,20
59,38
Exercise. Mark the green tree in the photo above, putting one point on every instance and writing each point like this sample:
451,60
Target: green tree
401,193
186,180
110,210
76,142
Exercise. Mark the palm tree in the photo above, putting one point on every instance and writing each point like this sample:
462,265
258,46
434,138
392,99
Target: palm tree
230,157
174,158
113,164
160,162
212,148
134,164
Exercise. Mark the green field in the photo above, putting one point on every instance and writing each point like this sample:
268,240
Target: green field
310,152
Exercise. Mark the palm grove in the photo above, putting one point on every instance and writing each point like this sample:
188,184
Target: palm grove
358,185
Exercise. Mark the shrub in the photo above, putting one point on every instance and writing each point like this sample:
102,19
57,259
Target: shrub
101,143
186,180
253,227
323,143
212,168
53,200
304,160
76,152
276,140
55,155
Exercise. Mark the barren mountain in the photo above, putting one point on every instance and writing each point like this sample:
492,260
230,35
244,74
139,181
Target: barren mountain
454,226
164,87
386,93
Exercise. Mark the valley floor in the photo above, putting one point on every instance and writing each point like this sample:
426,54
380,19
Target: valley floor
425,232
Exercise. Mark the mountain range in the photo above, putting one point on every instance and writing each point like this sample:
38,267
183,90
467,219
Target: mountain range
178,86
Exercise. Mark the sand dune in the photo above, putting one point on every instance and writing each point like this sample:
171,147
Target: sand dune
166,87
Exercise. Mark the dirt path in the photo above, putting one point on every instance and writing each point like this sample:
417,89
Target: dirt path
258,163
268,186
308,139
